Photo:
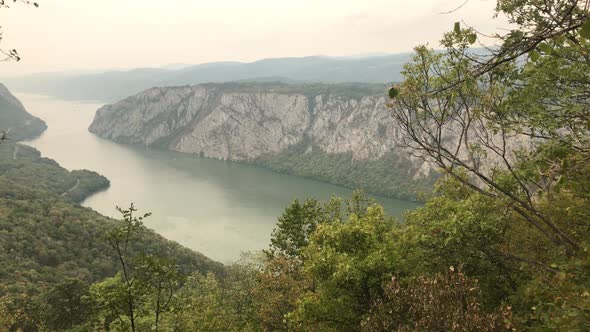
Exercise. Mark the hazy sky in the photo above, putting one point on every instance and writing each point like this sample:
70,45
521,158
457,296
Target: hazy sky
96,35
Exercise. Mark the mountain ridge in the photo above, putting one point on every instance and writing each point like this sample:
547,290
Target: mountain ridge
113,85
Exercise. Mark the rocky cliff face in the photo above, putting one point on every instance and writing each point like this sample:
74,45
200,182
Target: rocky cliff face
234,125
245,124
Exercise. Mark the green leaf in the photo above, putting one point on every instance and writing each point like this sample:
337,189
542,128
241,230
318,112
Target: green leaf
560,40
534,56
457,27
545,48
472,38
393,92
585,31
528,67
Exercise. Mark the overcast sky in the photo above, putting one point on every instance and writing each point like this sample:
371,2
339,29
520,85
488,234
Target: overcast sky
107,34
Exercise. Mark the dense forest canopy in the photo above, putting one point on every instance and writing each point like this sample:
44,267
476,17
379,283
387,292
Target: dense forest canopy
49,245
388,176
501,244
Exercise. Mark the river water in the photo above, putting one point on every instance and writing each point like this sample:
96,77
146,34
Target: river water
217,208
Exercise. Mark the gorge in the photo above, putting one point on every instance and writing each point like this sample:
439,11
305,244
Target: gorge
342,134
215,207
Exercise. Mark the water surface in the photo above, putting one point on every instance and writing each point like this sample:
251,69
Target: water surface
214,207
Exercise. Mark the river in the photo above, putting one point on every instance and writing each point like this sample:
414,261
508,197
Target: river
217,208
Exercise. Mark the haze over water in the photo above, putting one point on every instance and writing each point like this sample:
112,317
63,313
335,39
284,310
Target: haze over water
217,208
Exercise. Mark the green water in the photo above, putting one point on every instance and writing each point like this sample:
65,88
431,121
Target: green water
215,207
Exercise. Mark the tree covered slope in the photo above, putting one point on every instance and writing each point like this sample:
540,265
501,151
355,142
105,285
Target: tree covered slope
15,121
45,238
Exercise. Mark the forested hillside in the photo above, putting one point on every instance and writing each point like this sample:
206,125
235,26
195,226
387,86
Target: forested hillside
51,249
390,175
23,166
46,241
15,123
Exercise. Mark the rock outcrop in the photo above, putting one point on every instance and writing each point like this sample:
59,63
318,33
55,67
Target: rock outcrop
234,125
243,122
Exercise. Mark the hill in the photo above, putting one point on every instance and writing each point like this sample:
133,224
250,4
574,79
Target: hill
15,121
110,86
45,238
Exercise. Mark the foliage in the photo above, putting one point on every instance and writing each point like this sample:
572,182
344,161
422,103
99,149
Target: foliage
146,285
279,286
23,166
448,302
459,226
227,303
388,176
67,304
347,263
204,306
532,89
295,225
299,221
46,241
12,54
87,182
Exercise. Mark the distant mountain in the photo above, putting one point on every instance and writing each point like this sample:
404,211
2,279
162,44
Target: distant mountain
113,85
95,86
15,121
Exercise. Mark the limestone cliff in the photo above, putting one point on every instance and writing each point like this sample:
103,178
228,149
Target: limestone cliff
242,122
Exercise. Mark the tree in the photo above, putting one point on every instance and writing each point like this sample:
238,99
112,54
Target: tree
299,221
202,306
294,227
347,263
21,313
279,287
500,116
144,288
12,54
67,305
221,303
445,302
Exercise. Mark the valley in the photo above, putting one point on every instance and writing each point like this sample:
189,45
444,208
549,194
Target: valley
214,207
295,166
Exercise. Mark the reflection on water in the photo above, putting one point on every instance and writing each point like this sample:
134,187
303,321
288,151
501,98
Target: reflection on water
215,207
